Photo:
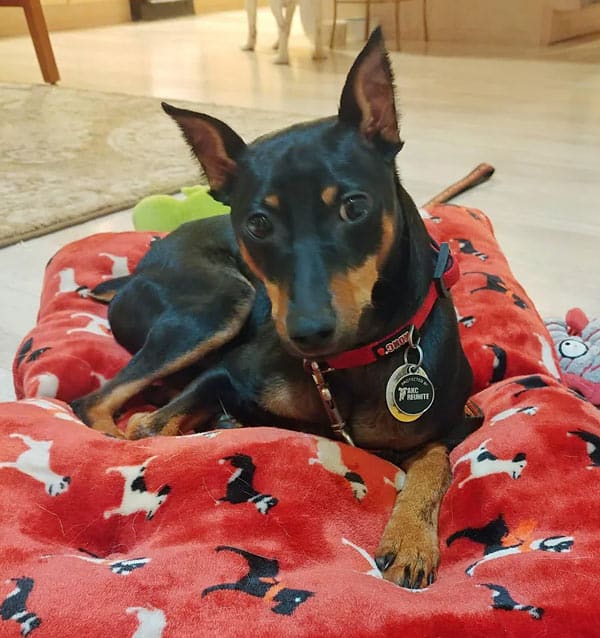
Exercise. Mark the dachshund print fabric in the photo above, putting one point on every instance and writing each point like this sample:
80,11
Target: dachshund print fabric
268,532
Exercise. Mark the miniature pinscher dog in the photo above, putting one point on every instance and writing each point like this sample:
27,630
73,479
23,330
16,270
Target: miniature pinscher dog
323,274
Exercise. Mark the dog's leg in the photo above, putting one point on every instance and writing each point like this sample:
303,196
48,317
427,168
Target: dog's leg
171,346
148,365
319,51
408,553
251,15
105,291
283,10
277,11
195,405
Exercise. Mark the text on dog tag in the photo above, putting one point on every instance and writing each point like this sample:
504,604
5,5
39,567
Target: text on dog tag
409,393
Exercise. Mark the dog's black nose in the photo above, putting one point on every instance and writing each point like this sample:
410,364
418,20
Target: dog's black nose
309,334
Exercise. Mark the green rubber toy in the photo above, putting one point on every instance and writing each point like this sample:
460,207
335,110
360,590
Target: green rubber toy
164,213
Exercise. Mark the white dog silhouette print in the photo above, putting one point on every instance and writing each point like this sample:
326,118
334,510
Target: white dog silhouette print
151,622
136,497
484,463
528,410
56,410
120,267
35,462
329,455
96,325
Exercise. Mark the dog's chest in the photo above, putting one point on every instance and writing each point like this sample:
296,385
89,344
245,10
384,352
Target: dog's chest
294,398
373,426
360,399
371,423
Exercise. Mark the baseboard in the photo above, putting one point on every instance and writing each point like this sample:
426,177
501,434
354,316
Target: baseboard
96,13
216,6
571,24
60,17
161,10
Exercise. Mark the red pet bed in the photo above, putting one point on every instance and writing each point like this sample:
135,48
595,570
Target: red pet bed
266,532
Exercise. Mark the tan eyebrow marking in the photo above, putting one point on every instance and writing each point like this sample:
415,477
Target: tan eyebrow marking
329,194
272,201
387,239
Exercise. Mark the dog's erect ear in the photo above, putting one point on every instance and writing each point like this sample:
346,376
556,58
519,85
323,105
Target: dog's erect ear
216,146
367,101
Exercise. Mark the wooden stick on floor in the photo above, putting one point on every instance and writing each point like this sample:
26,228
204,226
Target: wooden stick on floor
477,176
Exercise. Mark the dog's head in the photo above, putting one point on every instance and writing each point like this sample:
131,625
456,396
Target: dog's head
58,486
314,207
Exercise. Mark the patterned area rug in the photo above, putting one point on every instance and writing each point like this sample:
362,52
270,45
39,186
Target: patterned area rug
67,156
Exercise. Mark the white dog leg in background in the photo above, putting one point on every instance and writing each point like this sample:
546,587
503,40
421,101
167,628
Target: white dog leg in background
283,10
251,15
319,50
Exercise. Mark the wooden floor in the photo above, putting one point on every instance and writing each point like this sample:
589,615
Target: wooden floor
535,115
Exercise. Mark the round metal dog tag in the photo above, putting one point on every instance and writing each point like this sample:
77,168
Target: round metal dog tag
409,393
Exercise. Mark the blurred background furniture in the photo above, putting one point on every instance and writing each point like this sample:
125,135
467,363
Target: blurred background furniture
367,19
39,34
533,23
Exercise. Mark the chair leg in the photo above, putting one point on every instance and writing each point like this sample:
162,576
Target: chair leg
41,40
367,19
425,29
397,18
332,36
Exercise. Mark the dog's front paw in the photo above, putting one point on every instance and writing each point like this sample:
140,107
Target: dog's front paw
140,426
80,408
95,417
409,556
144,424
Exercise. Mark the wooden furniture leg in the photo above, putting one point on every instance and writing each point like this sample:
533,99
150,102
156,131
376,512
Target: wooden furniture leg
332,36
41,40
397,20
39,34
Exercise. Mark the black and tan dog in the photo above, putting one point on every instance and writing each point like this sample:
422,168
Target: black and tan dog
324,258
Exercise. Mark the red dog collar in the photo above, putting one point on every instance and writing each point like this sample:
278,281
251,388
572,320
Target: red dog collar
445,275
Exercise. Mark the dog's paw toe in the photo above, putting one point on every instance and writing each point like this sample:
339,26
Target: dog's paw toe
114,435
416,572
409,562
385,561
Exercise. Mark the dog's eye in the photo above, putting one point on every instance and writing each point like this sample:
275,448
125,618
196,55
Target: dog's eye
355,206
259,226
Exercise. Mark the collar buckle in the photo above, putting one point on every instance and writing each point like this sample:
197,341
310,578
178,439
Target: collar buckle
441,266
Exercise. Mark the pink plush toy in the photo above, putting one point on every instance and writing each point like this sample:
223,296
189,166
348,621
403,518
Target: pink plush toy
577,342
